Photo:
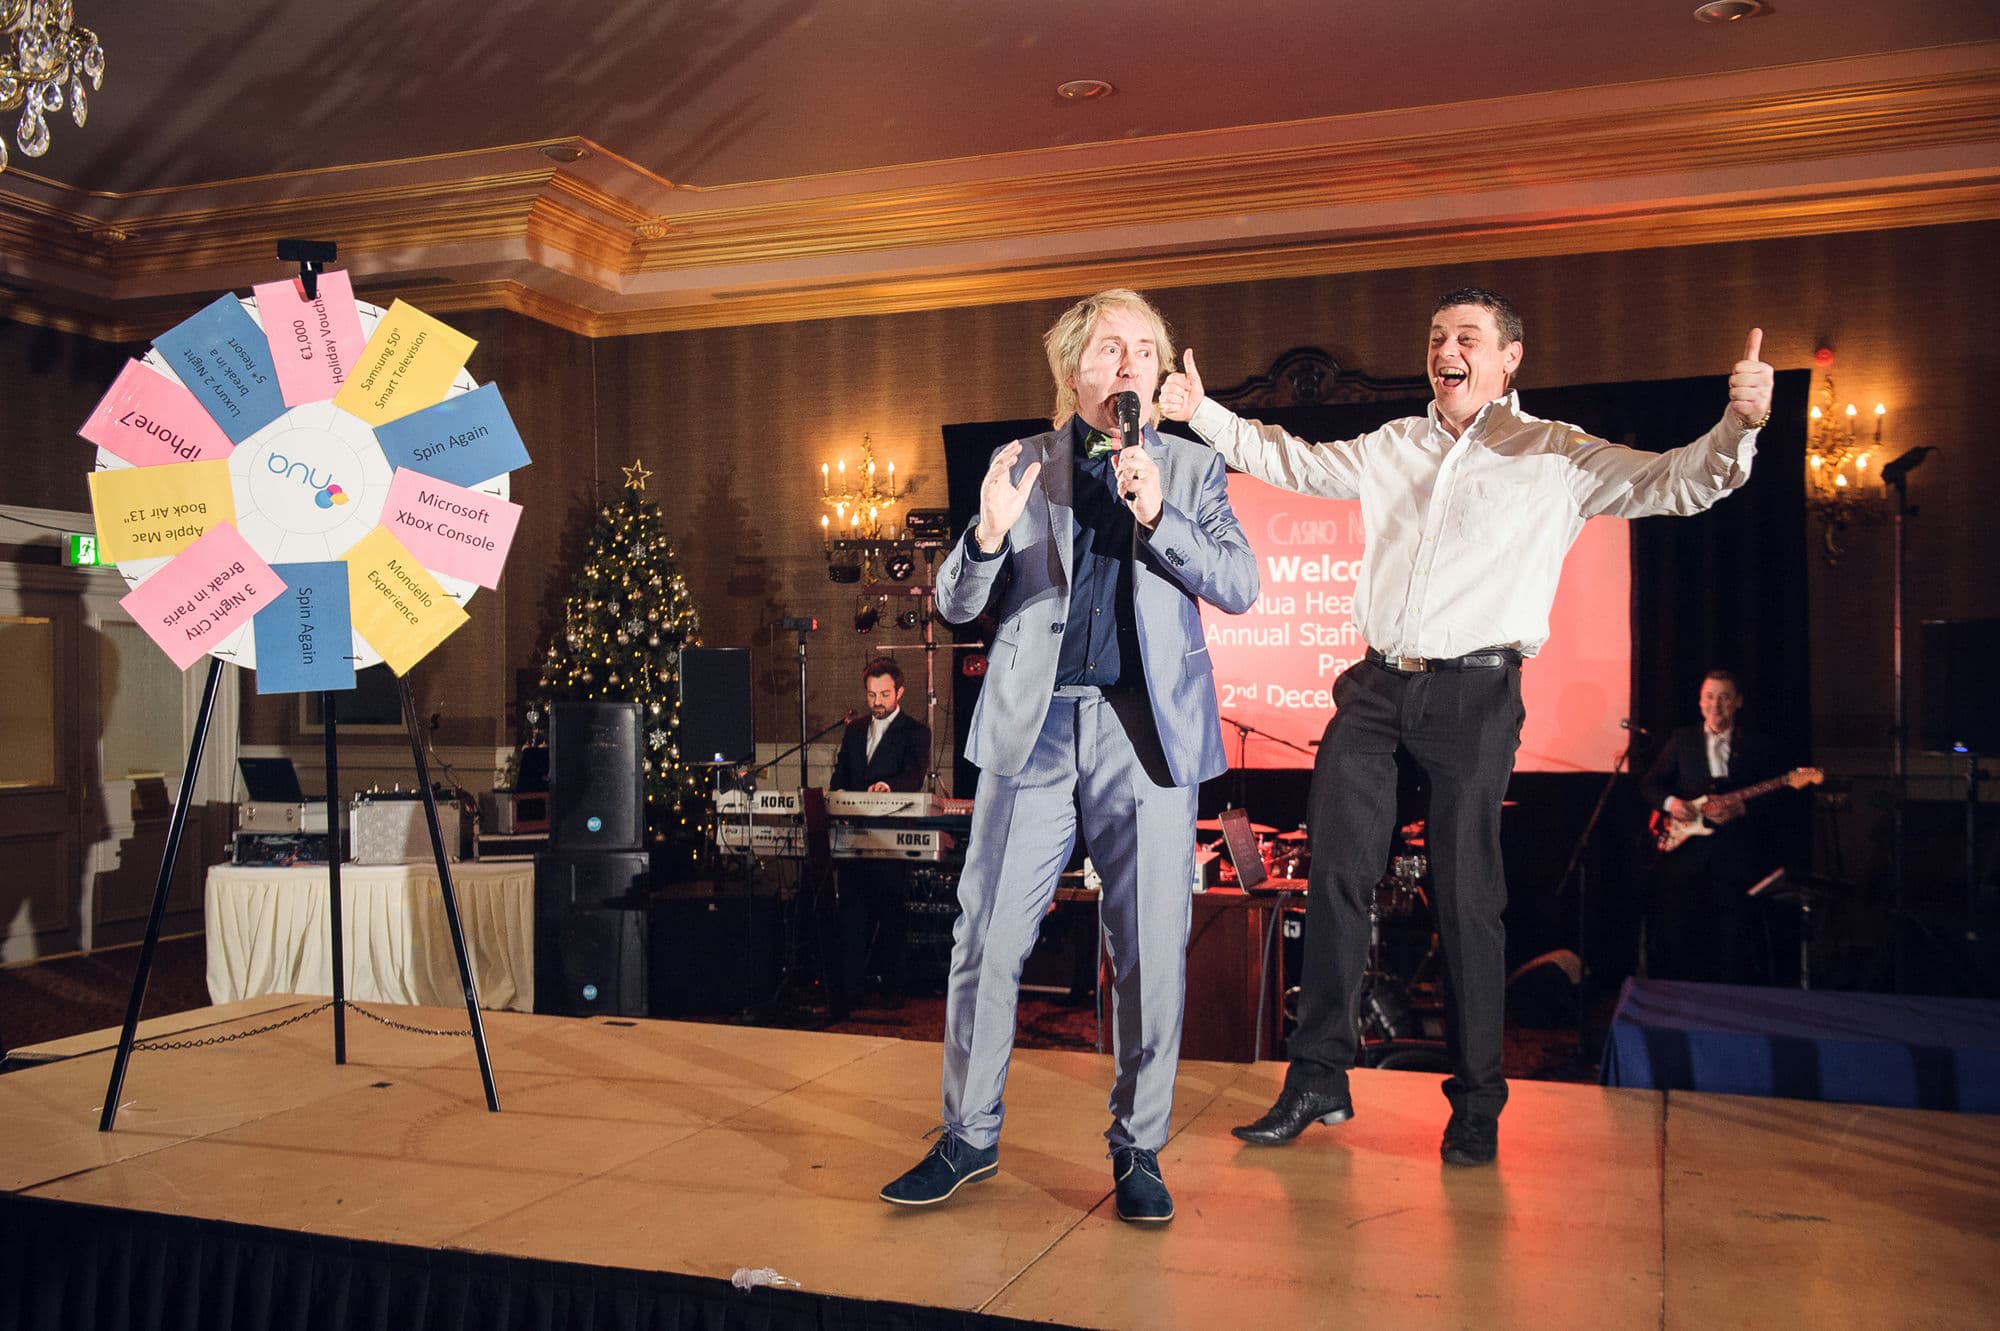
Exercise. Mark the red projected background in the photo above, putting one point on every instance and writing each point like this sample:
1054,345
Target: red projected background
1275,665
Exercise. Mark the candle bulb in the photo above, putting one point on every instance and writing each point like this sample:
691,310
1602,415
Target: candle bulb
822,477
825,529
1880,412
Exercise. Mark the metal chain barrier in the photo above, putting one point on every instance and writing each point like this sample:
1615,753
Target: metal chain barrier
162,1046
405,1026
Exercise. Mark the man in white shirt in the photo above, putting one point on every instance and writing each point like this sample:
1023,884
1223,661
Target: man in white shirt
891,751
1468,512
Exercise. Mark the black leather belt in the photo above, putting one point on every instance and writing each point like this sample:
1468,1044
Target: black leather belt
1489,658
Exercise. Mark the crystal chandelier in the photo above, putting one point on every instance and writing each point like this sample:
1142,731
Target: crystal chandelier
43,58
1843,468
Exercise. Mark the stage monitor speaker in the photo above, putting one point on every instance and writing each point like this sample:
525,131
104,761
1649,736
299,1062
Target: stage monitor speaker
1961,709
597,789
591,934
716,724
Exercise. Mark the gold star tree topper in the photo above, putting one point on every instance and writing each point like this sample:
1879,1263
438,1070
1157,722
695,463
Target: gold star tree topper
635,475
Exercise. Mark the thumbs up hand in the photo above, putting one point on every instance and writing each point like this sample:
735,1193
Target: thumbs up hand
1180,393
1750,384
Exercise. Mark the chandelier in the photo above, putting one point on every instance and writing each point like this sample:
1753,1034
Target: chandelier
1843,467
859,531
43,58
864,507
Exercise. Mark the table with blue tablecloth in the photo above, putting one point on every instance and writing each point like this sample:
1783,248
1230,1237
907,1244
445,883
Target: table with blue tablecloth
1874,1049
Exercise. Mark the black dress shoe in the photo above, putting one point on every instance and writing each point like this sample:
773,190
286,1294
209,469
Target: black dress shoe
1470,1139
1294,1111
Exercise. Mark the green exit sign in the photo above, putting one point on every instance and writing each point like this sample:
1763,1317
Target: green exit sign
80,551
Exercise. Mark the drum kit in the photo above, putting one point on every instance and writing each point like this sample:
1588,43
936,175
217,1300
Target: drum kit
1401,1011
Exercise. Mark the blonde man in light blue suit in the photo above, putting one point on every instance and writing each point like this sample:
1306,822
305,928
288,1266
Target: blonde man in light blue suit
1098,714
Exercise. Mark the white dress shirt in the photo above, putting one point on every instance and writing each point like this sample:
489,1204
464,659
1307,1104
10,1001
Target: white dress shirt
1718,752
877,729
1466,537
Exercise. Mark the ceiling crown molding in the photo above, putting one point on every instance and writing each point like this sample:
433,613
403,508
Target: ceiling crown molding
602,247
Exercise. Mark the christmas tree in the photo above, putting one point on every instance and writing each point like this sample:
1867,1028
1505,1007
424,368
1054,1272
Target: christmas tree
624,625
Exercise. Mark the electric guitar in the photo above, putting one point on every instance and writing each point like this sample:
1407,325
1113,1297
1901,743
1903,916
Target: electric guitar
1670,835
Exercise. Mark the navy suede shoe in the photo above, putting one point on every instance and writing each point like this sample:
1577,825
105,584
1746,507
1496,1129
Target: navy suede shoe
1143,1198
951,1164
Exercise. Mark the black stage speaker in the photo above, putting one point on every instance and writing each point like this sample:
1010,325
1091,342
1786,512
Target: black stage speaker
715,705
597,790
716,950
590,934
1961,712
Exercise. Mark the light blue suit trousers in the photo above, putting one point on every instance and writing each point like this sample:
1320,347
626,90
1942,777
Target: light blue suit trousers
1097,752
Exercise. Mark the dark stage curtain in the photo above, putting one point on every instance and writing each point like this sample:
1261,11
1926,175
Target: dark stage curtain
69,1267
1724,588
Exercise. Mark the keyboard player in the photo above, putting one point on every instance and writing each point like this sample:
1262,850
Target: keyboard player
884,750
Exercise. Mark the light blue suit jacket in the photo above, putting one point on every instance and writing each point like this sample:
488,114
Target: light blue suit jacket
1198,550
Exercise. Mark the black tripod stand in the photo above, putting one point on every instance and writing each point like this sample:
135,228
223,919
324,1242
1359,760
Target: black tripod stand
178,826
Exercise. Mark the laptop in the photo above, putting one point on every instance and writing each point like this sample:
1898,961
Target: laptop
1240,844
270,781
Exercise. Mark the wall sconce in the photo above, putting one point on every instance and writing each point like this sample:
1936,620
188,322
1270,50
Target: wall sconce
859,530
863,507
1843,465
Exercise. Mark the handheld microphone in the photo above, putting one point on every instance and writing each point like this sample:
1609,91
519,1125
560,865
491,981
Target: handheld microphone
1628,724
1127,406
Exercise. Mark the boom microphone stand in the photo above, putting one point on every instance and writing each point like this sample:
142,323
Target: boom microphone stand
1243,733
1584,1053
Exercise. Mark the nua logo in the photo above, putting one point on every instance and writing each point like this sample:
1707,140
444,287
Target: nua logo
325,493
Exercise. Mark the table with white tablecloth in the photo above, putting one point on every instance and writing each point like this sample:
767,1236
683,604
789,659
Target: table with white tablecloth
268,932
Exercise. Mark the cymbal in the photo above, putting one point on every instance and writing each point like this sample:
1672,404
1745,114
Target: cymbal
1215,825
1296,834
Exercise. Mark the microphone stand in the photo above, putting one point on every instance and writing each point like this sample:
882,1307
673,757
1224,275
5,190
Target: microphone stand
1583,1055
808,894
805,742
1243,733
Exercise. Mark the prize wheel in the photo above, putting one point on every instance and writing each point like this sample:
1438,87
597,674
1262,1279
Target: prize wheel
306,487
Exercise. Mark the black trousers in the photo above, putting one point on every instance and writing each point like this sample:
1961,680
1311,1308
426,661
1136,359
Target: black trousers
873,908
1702,926
1462,727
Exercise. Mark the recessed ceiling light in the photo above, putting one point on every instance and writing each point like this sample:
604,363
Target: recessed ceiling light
1728,11
564,152
1084,90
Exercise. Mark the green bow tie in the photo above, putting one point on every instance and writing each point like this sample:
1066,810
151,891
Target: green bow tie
1099,444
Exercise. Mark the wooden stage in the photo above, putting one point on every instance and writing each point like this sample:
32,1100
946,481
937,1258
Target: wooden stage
661,1147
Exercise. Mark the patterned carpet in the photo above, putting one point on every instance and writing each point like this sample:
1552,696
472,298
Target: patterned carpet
58,997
